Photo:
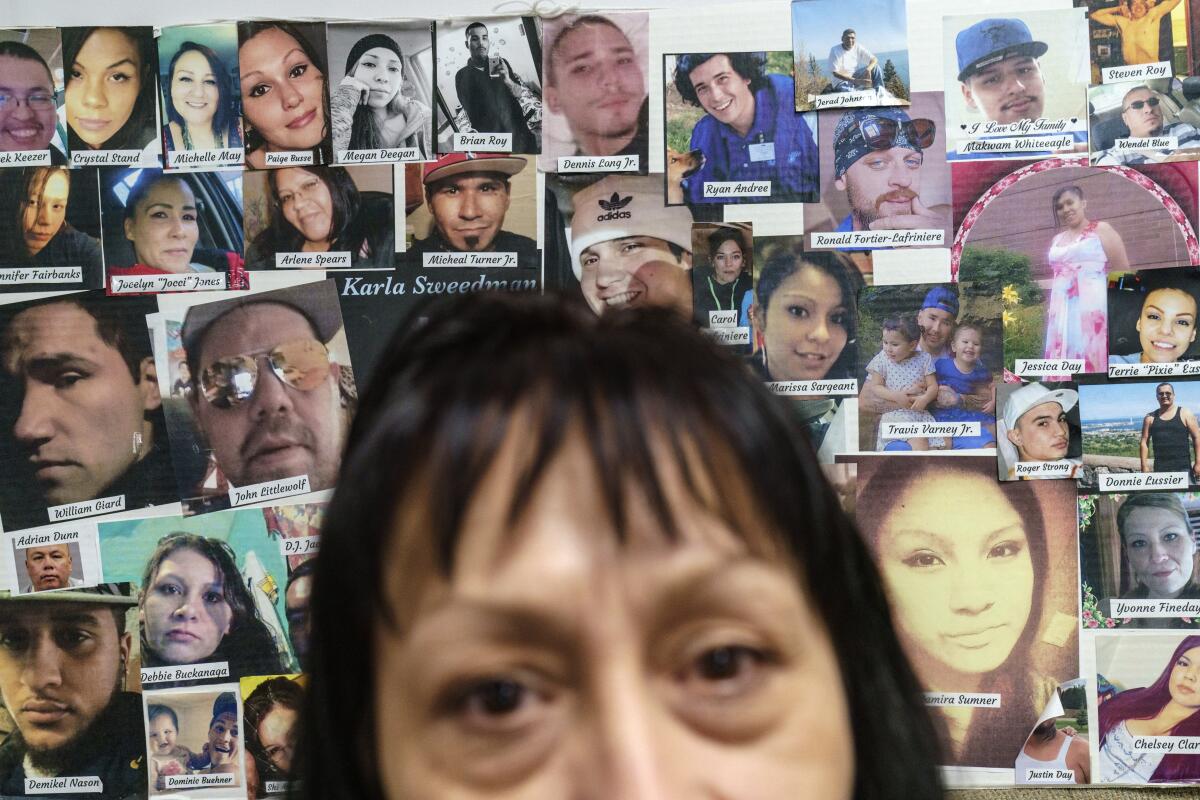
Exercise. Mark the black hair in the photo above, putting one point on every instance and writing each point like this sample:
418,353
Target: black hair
365,133
905,325
723,234
14,198
278,691
475,24
782,265
156,710
574,25
450,391
225,118
249,645
247,31
147,180
281,237
750,66
303,570
24,52
1072,189
139,130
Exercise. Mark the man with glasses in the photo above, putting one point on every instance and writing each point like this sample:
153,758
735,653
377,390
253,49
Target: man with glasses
28,118
269,397
1173,432
1142,113
878,154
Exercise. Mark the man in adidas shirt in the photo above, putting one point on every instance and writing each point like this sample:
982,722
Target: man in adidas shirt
468,196
628,248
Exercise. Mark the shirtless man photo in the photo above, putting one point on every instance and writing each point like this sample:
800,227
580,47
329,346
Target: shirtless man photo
1139,24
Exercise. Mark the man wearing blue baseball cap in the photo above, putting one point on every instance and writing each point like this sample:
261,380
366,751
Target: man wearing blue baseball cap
878,154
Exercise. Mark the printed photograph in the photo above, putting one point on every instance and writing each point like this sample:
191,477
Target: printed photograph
1092,222
597,102
268,393
320,218
884,169
723,279
160,223
927,354
1038,433
284,77
31,93
1056,751
111,99
54,558
982,578
1128,33
82,430
1144,122
489,81
1138,547
1146,425
1016,87
850,53
381,95
1152,317
1145,686
271,725
201,96
50,229
721,108
194,742
105,724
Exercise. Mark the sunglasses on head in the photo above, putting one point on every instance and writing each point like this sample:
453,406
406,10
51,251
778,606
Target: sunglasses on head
230,381
880,133
1137,104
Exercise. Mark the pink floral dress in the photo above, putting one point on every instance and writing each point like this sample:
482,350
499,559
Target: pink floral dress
1076,319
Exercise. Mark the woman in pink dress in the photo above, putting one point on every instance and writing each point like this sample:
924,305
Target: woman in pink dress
1080,256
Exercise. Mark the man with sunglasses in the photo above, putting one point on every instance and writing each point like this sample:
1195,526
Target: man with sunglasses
1142,113
878,154
268,399
28,113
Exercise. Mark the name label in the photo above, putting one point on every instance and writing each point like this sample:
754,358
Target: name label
383,155
1172,369
865,97
289,158
1155,609
1010,144
482,142
1147,143
1166,744
737,188
729,336
269,490
101,505
924,237
277,787
722,319
113,158
334,259
191,282
1033,775
1044,469
205,158
197,781
16,275
902,430
839,388
25,158
1159,69
1022,127
962,699
468,259
1133,481
599,164
1048,366
49,537
299,545
85,784
187,672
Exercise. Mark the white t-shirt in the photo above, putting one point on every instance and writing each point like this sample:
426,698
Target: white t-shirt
847,62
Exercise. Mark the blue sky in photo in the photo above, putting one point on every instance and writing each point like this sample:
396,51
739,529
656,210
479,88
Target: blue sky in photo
1120,400
880,25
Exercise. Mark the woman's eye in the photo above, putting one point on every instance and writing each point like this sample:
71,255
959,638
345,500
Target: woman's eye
1184,322
213,598
259,90
75,74
168,589
190,217
298,71
923,559
797,311
838,319
209,82
1137,544
1005,550
184,79
1170,537
158,215
119,77
726,670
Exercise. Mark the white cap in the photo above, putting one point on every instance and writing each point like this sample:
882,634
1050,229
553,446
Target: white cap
1034,394
626,205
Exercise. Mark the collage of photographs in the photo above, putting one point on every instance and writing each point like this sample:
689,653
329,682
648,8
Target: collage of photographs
961,250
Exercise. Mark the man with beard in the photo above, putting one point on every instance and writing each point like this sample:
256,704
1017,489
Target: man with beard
49,567
269,399
1140,24
878,154
1142,113
62,667
493,97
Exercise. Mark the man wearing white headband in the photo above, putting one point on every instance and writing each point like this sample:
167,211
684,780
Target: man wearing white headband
628,248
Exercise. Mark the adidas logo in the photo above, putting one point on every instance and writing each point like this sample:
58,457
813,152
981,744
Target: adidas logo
616,202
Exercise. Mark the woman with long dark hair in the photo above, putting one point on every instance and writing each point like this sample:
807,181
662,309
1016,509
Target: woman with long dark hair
34,230
368,108
1168,707
269,715
199,101
195,608
110,88
561,567
723,283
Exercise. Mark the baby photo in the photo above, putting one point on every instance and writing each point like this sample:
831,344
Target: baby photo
194,741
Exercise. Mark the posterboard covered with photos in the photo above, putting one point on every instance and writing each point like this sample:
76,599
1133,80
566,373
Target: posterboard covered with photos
960,242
